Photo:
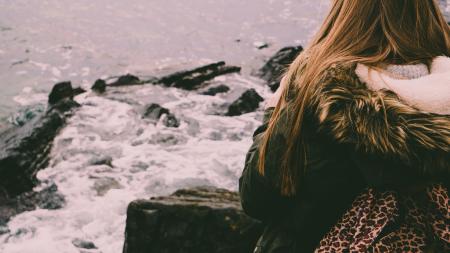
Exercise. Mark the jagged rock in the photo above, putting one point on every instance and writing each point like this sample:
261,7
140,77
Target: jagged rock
99,86
63,90
78,90
260,44
48,198
82,244
154,113
272,70
24,150
171,121
197,220
216,90
60,91
192,79
247,102
127,79
101,160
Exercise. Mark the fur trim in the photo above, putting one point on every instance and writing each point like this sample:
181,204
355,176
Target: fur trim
378,122
429,93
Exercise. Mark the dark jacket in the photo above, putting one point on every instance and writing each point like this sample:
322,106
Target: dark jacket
355,138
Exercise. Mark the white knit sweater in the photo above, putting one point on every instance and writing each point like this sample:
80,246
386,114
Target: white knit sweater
426,91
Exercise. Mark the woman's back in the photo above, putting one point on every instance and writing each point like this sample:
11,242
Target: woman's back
329,132
335,173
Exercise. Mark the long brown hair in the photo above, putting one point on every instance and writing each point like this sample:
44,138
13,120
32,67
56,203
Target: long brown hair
372,32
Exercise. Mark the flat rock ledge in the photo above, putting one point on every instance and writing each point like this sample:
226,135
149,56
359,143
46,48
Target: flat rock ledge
202,219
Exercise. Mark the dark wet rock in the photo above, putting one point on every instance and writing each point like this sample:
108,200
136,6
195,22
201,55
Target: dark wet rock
83,244
127,79
193,79
99,86
260,44
47,198
24,150
216,90
273,69
101,160
171,121
59,91
63,90
103,185
63,107
78,90
247,102
154,113
200,220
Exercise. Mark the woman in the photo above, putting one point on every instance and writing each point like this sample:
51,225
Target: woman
342,120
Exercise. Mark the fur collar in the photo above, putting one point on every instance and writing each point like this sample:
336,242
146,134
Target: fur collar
379,122
430,93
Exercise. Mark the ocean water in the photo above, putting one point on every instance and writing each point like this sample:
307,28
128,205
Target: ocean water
46,41
43,42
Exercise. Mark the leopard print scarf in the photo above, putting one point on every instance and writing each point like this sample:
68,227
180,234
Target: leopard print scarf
393,222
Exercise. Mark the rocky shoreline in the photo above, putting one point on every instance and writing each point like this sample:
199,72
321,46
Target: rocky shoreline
25,150
199,220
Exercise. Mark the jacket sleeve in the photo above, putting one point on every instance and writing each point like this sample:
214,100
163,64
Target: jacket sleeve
379,125
260,194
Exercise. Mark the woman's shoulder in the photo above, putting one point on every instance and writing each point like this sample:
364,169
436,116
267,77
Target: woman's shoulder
343,73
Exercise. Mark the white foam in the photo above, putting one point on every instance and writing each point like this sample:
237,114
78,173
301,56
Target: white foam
206,149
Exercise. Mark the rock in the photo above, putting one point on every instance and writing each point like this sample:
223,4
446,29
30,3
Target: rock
154,113
127,79
78,90
273,69
59,91
216,90
99,86
247,102
82,244
193,79
24,150
63,90
200,220
260,44
47,198
101,160
171,121
103,185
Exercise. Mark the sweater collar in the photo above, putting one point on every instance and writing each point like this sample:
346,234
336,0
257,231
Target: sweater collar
429,93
